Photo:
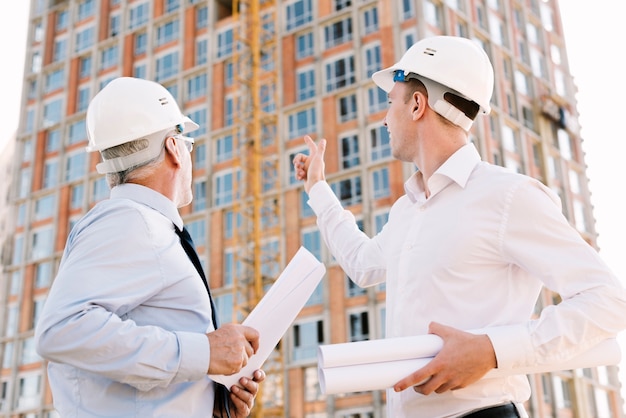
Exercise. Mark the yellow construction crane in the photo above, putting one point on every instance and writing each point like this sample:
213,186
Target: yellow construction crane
257,192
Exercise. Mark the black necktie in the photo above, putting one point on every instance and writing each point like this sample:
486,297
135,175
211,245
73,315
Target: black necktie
190,249
221,392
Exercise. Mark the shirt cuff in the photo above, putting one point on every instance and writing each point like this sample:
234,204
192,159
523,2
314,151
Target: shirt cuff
195,354
512,346
321,197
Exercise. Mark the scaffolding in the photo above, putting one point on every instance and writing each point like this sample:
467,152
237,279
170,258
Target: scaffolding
257,199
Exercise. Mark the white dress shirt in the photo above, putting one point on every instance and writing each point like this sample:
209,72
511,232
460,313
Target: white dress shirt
125,320
475,254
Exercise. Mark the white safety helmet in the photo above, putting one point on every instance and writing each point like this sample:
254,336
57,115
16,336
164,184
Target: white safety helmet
445,64
127,109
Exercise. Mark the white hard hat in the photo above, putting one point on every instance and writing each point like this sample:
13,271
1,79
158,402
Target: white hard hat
446,64
128,109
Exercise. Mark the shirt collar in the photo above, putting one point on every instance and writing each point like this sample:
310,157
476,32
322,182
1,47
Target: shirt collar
457,168
150,198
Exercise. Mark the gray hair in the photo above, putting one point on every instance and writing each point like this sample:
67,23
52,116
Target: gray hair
138,171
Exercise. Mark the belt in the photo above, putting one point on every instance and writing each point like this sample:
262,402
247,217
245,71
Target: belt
501,411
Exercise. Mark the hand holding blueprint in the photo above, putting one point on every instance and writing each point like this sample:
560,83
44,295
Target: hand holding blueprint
379,364
276,311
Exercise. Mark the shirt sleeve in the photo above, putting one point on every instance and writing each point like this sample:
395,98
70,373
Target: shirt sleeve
109,269
360,256
536,237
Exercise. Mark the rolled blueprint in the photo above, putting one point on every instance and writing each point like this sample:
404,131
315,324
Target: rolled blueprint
275,312
379,364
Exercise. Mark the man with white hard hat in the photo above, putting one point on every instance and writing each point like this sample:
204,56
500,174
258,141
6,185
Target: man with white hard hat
467,247
129,327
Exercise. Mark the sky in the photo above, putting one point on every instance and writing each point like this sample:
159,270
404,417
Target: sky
598,68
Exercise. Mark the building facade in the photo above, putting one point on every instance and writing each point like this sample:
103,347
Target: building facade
314,69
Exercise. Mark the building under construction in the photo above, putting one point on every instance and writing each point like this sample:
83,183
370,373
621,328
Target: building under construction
257,75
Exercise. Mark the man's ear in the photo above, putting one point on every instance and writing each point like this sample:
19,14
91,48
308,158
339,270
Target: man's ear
418,104
172,151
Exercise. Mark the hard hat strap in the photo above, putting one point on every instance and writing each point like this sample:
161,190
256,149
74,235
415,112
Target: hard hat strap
118,164
453,114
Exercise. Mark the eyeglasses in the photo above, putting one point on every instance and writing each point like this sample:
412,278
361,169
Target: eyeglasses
188,141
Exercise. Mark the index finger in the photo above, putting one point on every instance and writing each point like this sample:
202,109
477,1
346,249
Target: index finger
252,336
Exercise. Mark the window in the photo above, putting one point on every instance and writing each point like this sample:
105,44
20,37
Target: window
29,391
224,148
53,140
348,190
55,80
379,143
76,196
372,60
78,132
298,13
305,84
167,32
202,52
224,183
199,116
312,388
45,207
197,87
82,99
349,152
301,123
52,112
25,182
380,183
75,167
115,24
304,45
42,243
225,307
307,336
85,67
85,39
376,100
100,190
229,110
62,20
311,240
225,42
141,43
12,321
340,73
338,33
433,14
167,66
43,274
359,326
50,174
197,230
29,354
347,108
342,4
202,17
86,8
109,58
171,5
199,155
199,195
139,15
7,358
305,209
60,50
370,20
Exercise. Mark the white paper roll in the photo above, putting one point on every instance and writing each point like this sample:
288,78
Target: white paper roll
277,310
381,372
